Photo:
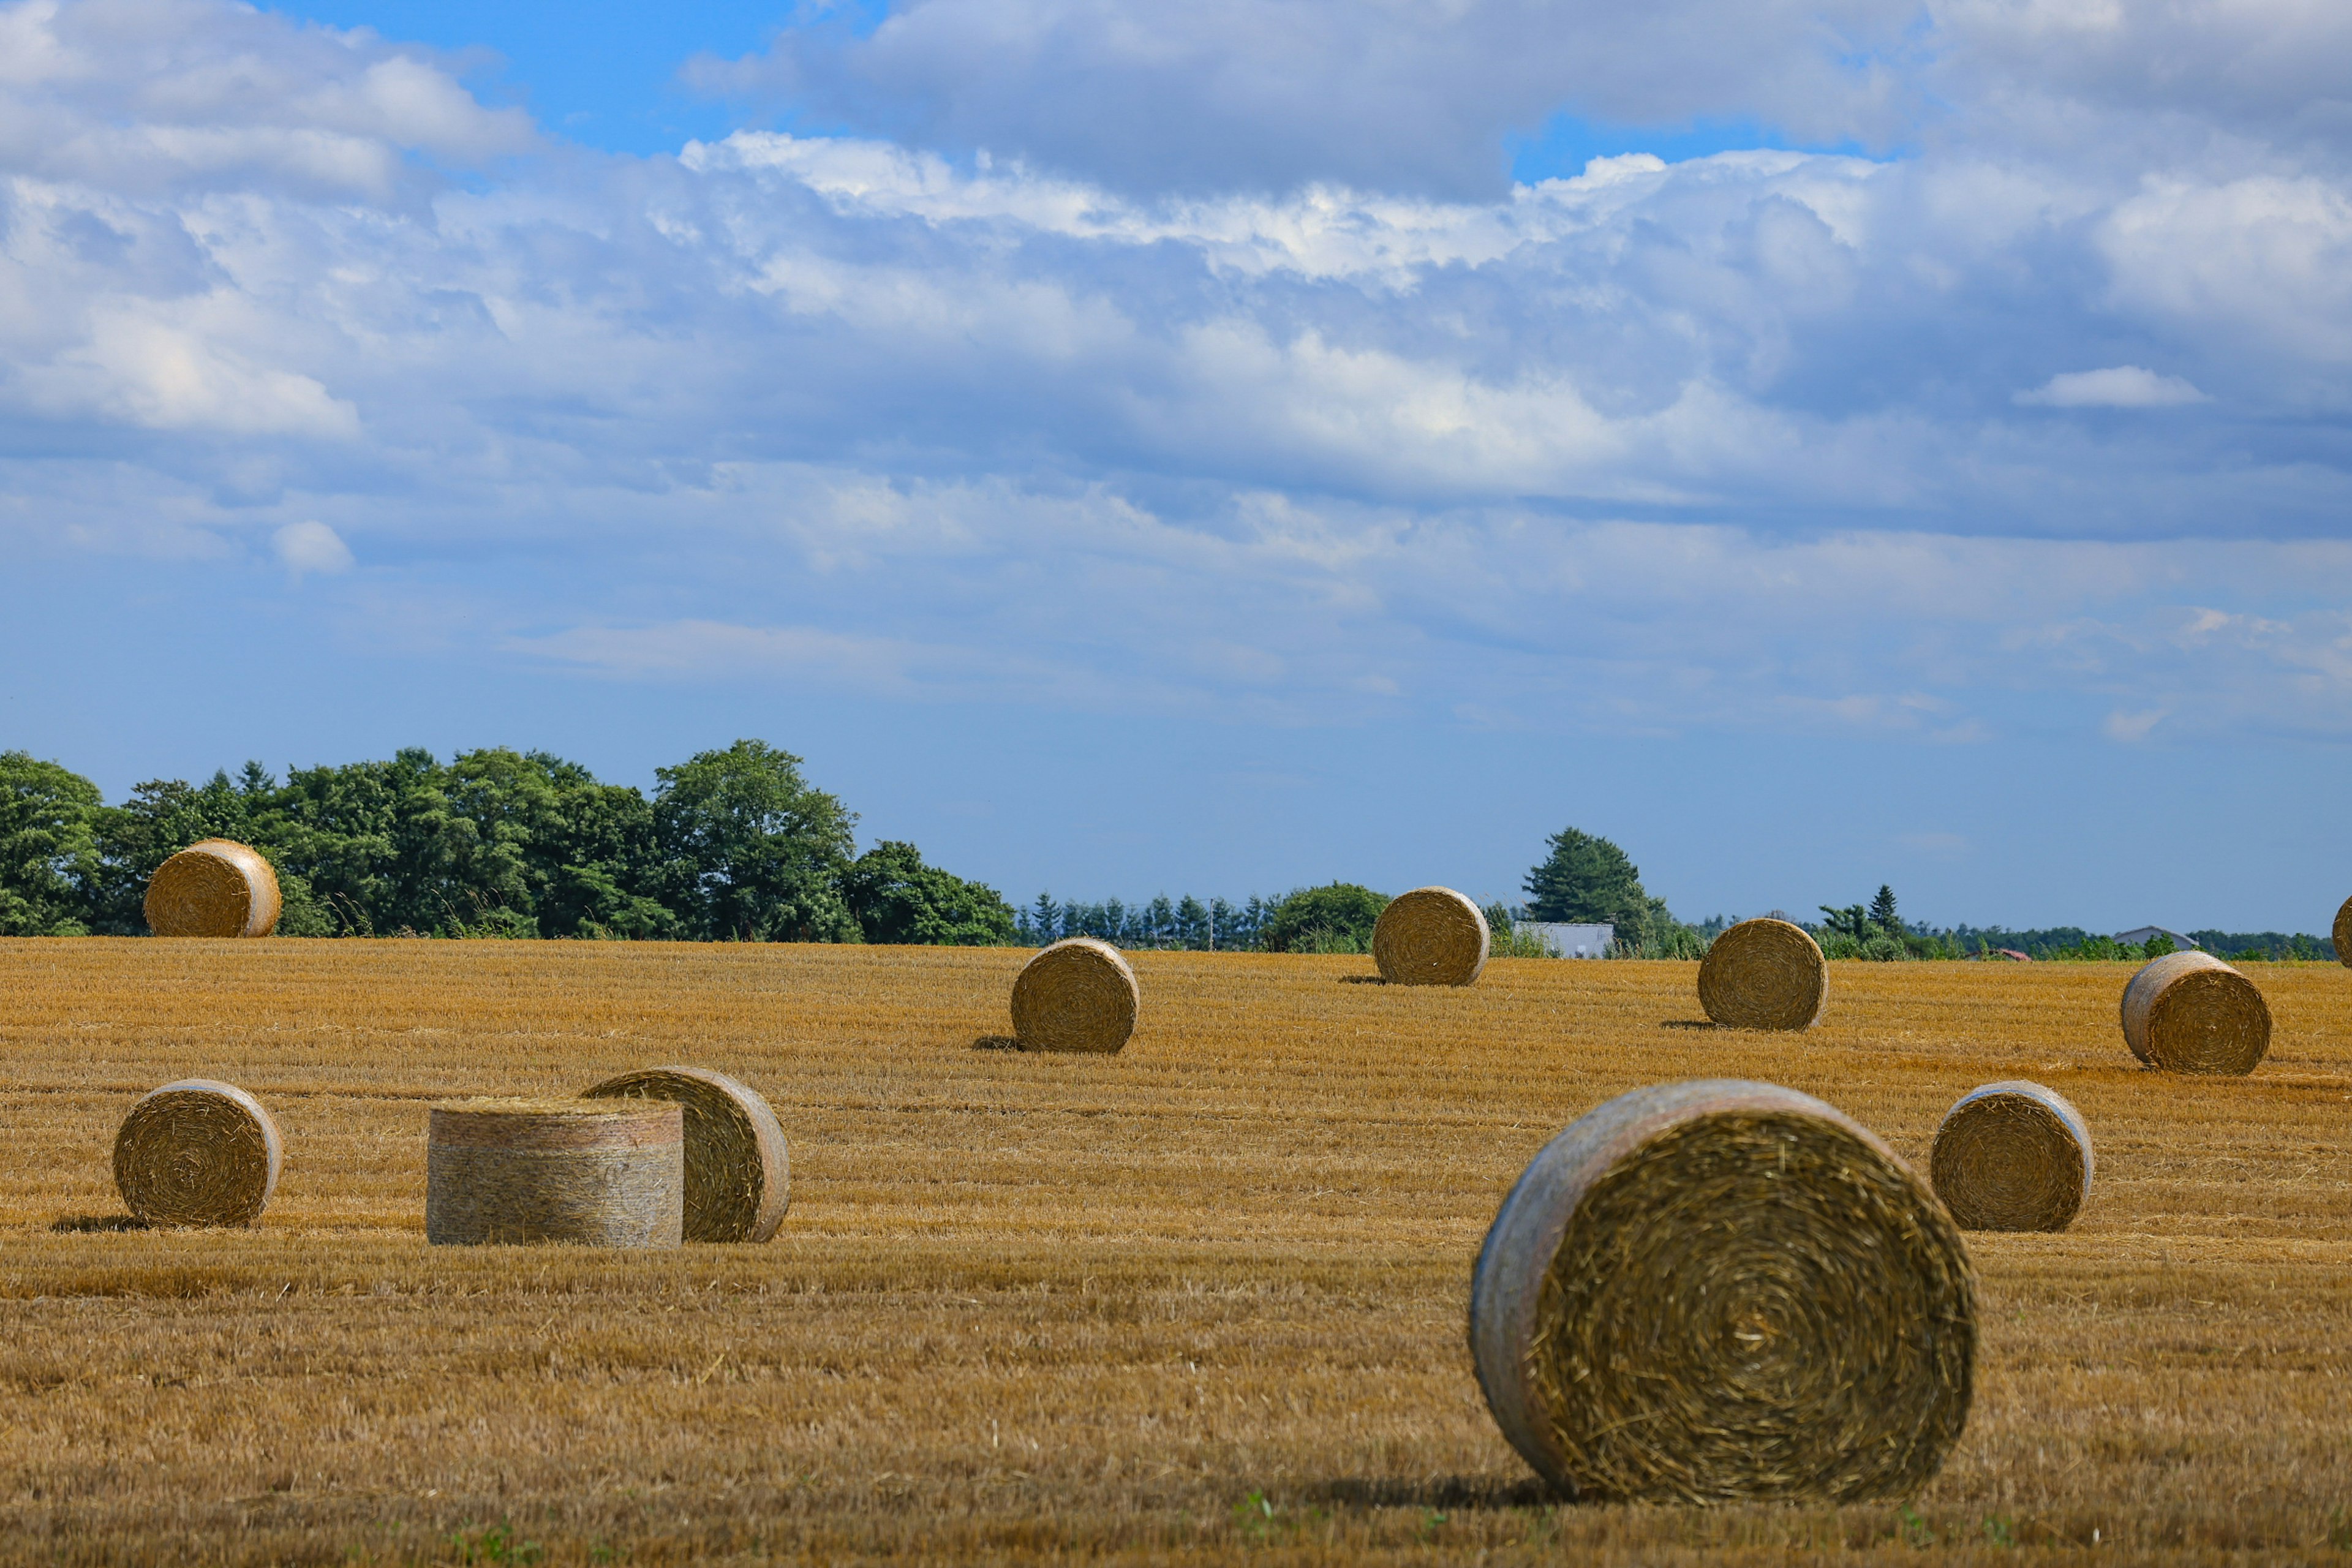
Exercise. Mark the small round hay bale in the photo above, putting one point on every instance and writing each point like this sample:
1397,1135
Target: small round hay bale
2343,932
2189,1011
1076,995
1431,936
603,1173
1763,974
2012,1156
737,1179
216,888
197,1152
1720,1290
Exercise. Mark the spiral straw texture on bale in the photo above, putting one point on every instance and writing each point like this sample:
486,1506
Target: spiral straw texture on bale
604,1173
1077,996
197,1153
1716,1290
2012,1156
737,1180
1431,936
2189,1011
1763,974
2343,932
214,888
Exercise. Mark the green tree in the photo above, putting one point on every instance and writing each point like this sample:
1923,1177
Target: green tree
1338,917
48,849
896,898
1883,912
749,851
1587,880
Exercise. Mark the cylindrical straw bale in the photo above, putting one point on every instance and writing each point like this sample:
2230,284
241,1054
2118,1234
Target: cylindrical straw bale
2189,1011
2343,932
1718,1291
197,1153
2012,1156
737,1180
604,1173
1763,974
1077,996
1431,936
214,888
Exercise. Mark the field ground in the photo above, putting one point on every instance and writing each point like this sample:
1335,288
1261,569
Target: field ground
1202,1301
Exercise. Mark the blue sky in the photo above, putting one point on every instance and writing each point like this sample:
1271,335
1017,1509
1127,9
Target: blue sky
1130,448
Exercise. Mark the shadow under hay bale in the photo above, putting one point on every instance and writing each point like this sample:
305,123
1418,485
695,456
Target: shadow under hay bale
2012,1156
1722,1291
1077,996
96,1224
2189,1011
197,1153
738,1181
601,1173
1763,973
996,1043
1431,936
216,888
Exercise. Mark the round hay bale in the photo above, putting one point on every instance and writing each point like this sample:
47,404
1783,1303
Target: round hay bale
2189,1011
1076,995
1431,936
2012,1156
2343,932
1763,974
214,888
737,1178
1719,1290
604,1173
197,1153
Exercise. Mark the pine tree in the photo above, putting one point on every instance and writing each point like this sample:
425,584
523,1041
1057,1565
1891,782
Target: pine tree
1882,911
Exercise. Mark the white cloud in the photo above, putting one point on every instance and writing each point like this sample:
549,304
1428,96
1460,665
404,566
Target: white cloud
2119,386
312,546
2132,728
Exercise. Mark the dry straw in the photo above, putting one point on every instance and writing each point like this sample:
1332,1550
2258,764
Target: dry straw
1077,996
1716,1290
1763,974
216,888
737,1179
2343,932
604,1172
2189,1011
2012,1156
1431,936
197,1153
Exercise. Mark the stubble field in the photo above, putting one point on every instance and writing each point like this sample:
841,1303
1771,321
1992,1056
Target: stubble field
1201,1301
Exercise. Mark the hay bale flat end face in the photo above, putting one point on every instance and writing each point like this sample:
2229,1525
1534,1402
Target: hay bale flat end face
197,1152
2012,1156
216,887
1722,1291
1077,996
601,1173
1431,936
1764,975
2189,1011
738,1181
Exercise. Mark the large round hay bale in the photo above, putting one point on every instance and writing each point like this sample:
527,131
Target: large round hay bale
1716,1290
604,1173
197,1152
1431,936
1077,996
2343,932
214,888
2189,1011
737,1179
2012,1156
1763,974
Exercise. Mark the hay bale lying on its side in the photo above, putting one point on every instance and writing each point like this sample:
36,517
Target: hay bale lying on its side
2189,1011
214,888
1764,975
1718,1291
1431,936
2012,1156
1076,995
2343,932
604,1172
197,1153
737,1180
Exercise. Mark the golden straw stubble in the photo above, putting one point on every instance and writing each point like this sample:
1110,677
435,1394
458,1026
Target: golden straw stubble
2012,1156
216,888
1763,973
199,1152
1431,936
1077,996
601,1173
738,1181
1718,1291
2189,1011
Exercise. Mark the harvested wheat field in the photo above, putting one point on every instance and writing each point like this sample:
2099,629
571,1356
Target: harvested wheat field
1199,1301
